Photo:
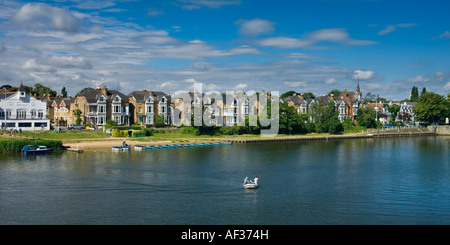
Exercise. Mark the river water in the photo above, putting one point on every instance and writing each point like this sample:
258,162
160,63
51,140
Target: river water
362,181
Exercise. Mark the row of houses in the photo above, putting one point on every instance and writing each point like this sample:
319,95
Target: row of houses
347,103
94,107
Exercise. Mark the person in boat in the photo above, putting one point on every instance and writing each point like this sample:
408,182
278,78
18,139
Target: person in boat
246,181
124,143
255,180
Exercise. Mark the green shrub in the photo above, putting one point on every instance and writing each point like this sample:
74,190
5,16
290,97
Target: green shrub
16,145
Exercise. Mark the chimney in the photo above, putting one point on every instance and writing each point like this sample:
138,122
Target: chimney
332,96
104,89
302,96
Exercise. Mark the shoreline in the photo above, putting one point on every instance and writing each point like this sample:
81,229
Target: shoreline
104,144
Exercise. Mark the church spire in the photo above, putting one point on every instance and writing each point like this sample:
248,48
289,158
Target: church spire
357,88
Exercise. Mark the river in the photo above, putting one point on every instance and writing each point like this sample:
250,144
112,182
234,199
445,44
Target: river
363,181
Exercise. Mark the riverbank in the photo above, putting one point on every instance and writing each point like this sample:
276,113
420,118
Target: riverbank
108,143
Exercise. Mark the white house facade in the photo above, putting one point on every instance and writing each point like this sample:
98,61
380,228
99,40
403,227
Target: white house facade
20,111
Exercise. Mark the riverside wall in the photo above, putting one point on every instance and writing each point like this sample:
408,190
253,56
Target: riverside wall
443,130
392,134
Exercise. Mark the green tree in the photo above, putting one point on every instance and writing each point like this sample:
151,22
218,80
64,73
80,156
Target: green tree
366,118
325,118
41,90
159,121
335,92
77,114
414,94
288,93
393,110
289,120
424,90
431,108
64,92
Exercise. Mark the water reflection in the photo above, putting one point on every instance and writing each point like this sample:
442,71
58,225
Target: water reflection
367,181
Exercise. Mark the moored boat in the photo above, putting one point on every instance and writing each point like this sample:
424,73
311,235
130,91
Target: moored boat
139,147
121,148
35,149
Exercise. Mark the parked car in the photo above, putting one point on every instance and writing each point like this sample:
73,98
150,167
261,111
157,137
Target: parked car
74,126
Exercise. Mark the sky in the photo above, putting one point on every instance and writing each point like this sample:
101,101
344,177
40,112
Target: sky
316,46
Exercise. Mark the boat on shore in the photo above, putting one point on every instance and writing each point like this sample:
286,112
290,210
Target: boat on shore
139,147
35,149
121,148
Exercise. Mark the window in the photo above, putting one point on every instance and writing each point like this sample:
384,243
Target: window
117,109
149,109
101,108
140,109
21,114
40,114
25,125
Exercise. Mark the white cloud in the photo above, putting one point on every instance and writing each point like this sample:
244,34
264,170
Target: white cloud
446,34
363,75
213,4
387,30
255,27
419,79
447,86
295,84
40,17
335,35
241,86
392,28
331,80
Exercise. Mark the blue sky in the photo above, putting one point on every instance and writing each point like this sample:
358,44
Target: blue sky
228,45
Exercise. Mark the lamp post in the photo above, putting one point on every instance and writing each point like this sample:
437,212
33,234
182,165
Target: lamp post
4,110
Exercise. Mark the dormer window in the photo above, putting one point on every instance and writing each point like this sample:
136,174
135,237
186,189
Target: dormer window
101,99
117,99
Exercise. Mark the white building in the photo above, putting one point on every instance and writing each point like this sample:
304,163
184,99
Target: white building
21,111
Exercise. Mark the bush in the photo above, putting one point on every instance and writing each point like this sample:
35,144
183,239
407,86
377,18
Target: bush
119,133
16,145
190,130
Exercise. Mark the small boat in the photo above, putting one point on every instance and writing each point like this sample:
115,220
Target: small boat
121,148
226,143
149,147
250,185
35,149
139,147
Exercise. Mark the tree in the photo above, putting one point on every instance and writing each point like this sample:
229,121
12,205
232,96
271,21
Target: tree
309,95
414,94
288,93
326,118
84,90
159,121
335,92
431,108
424,90
64,92
393,110
41,90
366,118
77,114
289,120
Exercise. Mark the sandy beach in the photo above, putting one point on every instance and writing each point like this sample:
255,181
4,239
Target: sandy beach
107,144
